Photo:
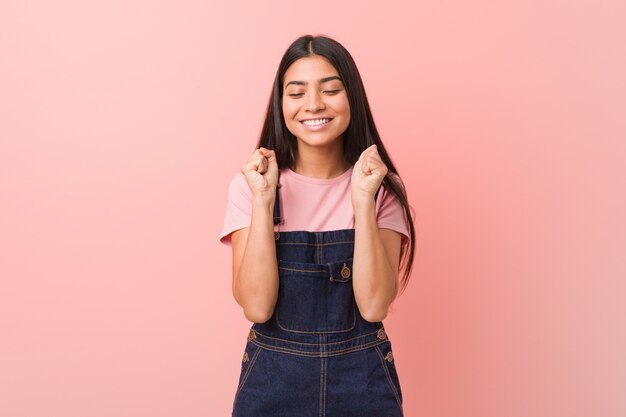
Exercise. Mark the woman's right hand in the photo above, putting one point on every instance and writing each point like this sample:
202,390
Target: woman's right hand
261,172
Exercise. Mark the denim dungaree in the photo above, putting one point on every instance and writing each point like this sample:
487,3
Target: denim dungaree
316,356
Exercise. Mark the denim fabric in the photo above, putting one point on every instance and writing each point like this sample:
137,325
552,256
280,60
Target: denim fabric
316,356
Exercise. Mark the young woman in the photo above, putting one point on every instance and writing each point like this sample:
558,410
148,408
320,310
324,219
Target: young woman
320,226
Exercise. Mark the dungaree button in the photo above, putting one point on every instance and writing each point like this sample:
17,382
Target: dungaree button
345,271
245,357
389,357
276,235
251,335
381,334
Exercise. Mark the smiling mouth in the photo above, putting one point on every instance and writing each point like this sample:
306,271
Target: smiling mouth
316,122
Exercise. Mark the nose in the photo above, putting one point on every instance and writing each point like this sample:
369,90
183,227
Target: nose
314,101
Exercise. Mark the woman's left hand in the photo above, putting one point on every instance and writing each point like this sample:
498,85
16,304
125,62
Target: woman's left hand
367,175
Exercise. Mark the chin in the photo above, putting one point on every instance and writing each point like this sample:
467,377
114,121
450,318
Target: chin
325,140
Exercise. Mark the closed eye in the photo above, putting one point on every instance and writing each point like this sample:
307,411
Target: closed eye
326,91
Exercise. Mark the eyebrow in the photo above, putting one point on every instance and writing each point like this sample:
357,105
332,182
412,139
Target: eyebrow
321,80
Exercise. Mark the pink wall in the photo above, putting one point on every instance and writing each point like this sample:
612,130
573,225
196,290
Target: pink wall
121,124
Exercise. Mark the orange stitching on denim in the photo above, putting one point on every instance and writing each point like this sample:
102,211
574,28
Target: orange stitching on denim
320,250
319,354
315,344
393,387
315,244
248,371
292,263
301,270
324,362
328,331
320,405
325,371
323,389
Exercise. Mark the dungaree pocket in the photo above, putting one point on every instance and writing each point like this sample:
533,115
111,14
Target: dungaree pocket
312,299
388,364
249,359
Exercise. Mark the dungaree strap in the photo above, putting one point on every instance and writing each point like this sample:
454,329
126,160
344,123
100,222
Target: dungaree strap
277,218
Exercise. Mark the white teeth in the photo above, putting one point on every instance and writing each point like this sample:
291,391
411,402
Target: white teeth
316,122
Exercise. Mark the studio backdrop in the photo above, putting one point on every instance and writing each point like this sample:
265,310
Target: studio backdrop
122,123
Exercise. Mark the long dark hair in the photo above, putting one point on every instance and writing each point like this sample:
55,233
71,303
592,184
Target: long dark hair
360,134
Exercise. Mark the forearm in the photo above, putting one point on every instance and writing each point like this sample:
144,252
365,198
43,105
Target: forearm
374,280
257,278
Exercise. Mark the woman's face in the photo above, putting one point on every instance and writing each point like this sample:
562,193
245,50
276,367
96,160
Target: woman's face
315,103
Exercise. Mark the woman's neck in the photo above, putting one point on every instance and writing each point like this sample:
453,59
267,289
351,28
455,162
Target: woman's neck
320,163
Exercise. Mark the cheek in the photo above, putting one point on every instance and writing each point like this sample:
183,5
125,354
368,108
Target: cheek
344,107
288,115
288,110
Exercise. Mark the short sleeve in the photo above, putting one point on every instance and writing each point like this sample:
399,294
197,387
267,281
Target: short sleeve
391,215
238,207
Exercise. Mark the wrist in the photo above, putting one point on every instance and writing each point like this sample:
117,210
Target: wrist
263,203
364,210
363,203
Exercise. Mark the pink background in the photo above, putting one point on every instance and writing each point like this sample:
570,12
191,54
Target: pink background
121,124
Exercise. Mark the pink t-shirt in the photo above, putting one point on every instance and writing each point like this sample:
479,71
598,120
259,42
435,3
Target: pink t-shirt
310,204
